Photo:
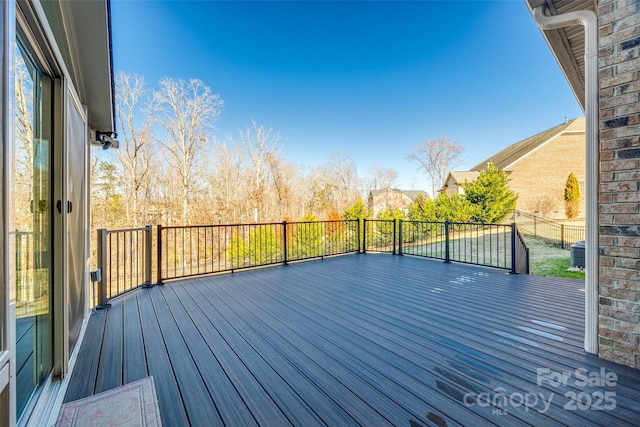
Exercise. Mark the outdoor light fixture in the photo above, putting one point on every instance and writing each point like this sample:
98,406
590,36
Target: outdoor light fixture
105,139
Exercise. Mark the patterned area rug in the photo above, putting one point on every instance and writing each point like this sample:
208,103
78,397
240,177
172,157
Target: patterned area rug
133,404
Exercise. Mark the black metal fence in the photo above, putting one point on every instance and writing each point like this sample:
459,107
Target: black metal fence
563,235
126,261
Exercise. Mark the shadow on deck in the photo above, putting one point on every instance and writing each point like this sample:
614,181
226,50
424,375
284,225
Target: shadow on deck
359,340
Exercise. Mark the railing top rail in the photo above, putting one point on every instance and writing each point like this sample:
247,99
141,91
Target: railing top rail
124,230
457,223
540,219
323,222
169,227
481,224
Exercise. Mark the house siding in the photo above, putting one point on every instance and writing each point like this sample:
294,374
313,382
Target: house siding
619,200
388,198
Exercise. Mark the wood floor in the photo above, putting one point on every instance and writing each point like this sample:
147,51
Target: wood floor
366,340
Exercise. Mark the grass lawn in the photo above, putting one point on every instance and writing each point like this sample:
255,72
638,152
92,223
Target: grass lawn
548,260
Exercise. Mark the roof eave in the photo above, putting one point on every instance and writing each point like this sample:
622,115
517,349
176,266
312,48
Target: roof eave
84,29
558,42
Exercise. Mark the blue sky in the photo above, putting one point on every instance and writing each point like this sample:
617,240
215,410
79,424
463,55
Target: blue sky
368,78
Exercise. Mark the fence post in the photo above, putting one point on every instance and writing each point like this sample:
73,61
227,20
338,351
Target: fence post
159,254
513,249
102,266
147,256
400,237
447,258
364,235
284,227
562,236
393,244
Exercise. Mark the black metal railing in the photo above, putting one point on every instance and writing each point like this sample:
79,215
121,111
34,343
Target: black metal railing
487,245
380,235
563,235
185,251
25,268
317,239
124,262
519,252
422,238
128,259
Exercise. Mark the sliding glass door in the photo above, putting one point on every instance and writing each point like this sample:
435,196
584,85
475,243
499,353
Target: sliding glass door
33,211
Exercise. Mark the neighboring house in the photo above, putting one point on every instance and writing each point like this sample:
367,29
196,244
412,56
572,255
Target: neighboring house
56,92
455,180
538,168
597,45
391,198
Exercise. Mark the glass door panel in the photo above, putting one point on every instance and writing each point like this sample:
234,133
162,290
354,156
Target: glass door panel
33,228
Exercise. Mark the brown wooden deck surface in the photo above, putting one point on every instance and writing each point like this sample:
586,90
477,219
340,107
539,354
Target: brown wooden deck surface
358,340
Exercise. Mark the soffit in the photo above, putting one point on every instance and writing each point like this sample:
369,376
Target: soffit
82,32
567,44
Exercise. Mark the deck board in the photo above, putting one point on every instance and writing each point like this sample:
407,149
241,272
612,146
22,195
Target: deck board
110,367
196,398
134,359
83,380
355,340
172,410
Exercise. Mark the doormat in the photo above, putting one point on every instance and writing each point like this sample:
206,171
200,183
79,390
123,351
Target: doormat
133,404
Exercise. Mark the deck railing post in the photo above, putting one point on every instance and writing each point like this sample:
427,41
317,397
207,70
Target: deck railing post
284,242
393,244
102,266
159,254
147,256
447,255
364,235
400,237
562,236
514,269
358,234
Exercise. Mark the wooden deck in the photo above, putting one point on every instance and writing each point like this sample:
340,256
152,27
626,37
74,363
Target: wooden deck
359,340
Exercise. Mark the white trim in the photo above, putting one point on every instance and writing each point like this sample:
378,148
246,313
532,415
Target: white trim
589,20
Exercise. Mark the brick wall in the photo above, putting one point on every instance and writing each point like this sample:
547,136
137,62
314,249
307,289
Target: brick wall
542,175
619,192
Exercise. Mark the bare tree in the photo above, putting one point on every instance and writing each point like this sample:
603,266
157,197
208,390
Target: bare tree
335,184
380,177
259,144
437,157
186,112
135,153
543,205
282,179
227,182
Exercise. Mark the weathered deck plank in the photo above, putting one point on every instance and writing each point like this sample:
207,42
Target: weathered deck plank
358,340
